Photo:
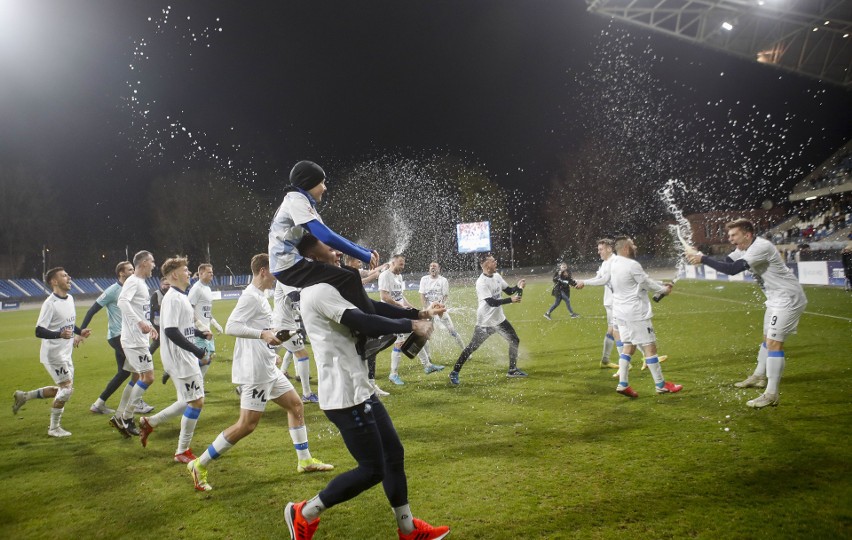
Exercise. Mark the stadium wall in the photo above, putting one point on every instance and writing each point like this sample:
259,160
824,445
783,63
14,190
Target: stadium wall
809,273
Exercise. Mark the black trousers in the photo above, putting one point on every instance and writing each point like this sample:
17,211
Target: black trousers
481,333
372,440
345,279
120,375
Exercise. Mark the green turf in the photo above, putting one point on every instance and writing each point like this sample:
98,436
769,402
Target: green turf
558,455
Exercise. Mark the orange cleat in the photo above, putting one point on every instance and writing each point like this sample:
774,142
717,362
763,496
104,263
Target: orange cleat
424,531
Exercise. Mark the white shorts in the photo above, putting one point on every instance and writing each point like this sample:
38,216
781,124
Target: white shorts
189,388
60,371
637,332
778,323
295,344
138,360
254,396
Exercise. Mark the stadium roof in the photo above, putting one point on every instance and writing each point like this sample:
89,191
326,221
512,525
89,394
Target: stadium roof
810,37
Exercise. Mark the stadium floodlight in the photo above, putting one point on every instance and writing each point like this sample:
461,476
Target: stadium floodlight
727,26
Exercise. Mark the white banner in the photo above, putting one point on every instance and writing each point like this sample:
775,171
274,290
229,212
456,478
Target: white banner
813,273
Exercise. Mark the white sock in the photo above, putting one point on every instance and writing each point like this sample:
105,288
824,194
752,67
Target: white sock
299,435
135,396
760,370
623,369
125,399
173,410
55,417
303,370
775,362
423,355
38,393
187,428
99,403
313,508
656,369
396,358
216,449
285,360
619,346
608,344
404,520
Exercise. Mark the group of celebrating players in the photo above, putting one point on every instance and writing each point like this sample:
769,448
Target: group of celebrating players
346,327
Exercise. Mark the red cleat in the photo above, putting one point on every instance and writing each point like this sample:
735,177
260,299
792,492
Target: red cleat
669,388
145,429
186,457
627,391
298,526
424,531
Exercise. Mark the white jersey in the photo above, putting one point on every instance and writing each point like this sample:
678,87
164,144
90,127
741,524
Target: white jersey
201,298
393,284
342,374
602,278
254,360
176,312
435,290
630,286
285,312
286,230
56,315
135,304
489,287
780,285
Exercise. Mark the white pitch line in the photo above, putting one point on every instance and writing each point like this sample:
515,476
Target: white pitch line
847,319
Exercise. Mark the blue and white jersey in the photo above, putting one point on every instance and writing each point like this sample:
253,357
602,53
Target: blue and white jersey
201,298
286,230
176,312
393,284
780,285
603,278
56,315
135,304
109,300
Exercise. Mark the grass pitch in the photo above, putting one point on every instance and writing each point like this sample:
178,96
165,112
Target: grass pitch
557,455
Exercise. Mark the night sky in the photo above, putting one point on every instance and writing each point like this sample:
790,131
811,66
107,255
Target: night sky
501,84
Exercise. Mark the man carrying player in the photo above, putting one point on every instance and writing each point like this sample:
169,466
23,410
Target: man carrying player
347,399
785,303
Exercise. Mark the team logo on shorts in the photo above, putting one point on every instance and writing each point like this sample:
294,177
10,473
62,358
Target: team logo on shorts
259,394
61,371
192,386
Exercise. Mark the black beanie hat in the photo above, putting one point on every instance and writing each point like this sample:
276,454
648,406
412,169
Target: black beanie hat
306,174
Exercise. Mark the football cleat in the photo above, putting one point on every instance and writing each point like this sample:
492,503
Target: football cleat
764,400
58,432
166,377
118,423
310,398
130,427
627,391
145,429
753,381
185,457
547,316
610,365
298,526
454,378
669,388
424,531
313,465
20,398
101,409
432,368
378,391
615,375
516,373
662,358
575,315
199,475
143,408
395,378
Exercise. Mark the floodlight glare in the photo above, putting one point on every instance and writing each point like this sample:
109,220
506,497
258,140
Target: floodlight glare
727,26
